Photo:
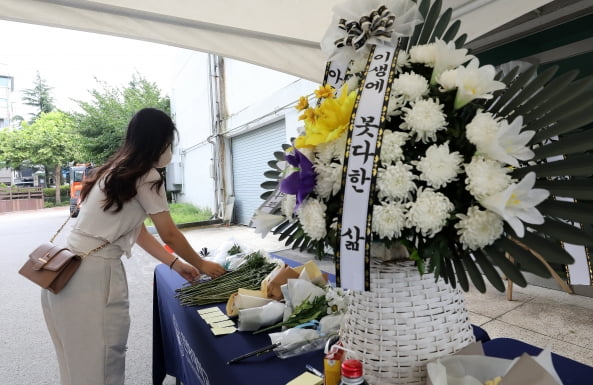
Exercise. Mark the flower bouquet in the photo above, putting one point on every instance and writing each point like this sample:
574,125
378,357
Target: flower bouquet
468,167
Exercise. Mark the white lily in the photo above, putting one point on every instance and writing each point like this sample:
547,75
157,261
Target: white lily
516,204
264,222
474,82
447,57
500,140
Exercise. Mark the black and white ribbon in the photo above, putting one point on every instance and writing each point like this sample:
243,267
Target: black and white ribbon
378,24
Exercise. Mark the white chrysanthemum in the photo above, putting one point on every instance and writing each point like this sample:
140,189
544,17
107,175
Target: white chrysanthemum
395,182
311,214
439,166
331,151
395,104
391,146
288,204
478,228
410,85
389,219
337,302
429,213
486,177
403,60
329,179
482,130
424,54
424,118
447,80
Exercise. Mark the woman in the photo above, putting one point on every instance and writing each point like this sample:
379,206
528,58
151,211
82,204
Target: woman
89,319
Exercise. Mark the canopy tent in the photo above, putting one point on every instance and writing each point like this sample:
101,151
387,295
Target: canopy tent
283,35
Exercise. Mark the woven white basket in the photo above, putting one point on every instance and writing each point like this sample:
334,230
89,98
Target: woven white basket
403,322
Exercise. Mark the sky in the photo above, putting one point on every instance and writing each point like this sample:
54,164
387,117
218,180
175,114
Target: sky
70,61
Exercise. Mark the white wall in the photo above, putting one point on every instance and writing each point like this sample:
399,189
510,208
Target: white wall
190,106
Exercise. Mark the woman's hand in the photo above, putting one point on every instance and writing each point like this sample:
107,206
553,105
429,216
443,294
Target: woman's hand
212,269
187,271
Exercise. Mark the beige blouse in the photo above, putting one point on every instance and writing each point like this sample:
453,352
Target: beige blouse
95,226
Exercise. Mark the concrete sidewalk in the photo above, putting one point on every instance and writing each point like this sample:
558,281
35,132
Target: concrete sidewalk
536,315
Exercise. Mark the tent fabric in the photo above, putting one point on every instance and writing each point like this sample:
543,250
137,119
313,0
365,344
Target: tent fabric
283,35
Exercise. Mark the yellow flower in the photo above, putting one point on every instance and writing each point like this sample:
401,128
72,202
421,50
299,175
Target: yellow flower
308,115
331,119
325,91
303,103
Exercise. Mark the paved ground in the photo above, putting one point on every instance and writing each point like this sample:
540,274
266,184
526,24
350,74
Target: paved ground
536,315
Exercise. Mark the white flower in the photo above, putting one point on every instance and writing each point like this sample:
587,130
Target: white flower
486,177
329,179
475,83
337,302
395,182
478,228
396,102
424,118
500,140
439,166
311,214
510,143
516,204
482,130
331,151
389,219
288,204
424,54
403,60
410,85
264,222
391,146
429,213
447,57
447,80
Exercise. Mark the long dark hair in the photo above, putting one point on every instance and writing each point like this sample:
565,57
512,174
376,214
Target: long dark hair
150,132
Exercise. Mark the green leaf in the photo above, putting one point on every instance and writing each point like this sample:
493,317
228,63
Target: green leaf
267,194
423,7
508,268
571,144
442,24
489,270
557,85
524,258
271,174
563,232
460,273
430,22
279,155
281,227
474,273
551,250
269,185
286,233
574,188
452,31
572,211
577,165
529,90
513,89
562,121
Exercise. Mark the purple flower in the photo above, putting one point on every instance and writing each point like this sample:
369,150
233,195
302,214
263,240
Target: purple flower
300,182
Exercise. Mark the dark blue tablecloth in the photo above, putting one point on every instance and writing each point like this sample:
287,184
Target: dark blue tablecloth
184,347
570,372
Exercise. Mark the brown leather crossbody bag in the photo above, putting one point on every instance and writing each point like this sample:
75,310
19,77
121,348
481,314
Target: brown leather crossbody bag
51,266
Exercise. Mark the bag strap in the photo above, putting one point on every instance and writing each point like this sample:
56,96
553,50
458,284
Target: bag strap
88,252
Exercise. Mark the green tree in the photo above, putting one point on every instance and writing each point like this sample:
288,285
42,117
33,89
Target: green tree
49,141
39,97
104,119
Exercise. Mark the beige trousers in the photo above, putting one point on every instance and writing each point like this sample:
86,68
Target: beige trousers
89,322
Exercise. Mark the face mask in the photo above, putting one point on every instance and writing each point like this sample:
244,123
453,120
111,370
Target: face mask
165,158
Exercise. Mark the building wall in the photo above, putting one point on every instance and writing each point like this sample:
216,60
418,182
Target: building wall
190,107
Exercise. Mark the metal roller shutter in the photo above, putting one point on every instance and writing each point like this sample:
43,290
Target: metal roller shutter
251,153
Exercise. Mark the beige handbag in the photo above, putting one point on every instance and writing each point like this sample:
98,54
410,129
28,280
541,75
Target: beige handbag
51,266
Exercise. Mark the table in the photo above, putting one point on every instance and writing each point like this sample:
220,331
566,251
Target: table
571,372
184,347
